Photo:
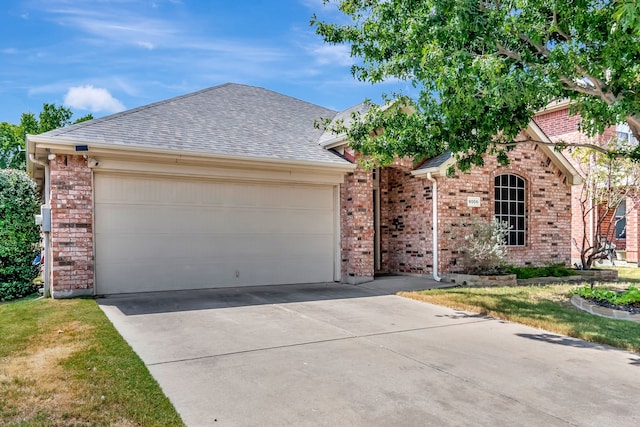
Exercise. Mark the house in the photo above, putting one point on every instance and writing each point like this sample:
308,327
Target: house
234,186
621,224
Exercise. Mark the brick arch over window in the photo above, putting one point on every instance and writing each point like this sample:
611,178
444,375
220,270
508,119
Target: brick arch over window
510,206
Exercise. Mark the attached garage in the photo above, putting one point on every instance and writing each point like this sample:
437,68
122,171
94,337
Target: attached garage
155,233
228,186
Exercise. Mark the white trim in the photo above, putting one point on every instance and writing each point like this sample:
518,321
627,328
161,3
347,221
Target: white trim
434,232
559,104
536,133
436,170
337,267
96,149
239,172
560,161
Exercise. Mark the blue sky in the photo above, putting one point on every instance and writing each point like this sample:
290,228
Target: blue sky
105,56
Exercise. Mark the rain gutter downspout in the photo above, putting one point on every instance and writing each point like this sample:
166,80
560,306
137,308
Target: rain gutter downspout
47,236
434,210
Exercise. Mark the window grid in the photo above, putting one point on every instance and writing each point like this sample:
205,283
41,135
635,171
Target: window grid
621,220
509,204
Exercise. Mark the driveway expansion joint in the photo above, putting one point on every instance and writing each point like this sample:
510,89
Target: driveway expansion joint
301,344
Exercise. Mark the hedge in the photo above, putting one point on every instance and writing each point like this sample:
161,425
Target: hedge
19,235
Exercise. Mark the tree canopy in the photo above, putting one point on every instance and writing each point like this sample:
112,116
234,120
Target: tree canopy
481,69
13,137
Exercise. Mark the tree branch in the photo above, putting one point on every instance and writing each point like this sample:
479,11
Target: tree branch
563,144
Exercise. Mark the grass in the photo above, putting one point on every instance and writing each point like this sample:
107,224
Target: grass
63,364
545,307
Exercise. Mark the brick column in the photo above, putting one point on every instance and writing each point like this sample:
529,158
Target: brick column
71,227
356,225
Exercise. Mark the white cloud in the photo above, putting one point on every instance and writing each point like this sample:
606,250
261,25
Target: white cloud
91,98
333,54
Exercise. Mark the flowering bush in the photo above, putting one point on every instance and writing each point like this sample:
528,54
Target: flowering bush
484,250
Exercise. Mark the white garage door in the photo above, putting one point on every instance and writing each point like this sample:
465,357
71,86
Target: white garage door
165,234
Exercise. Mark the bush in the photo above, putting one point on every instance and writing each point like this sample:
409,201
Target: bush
19,235
14,290
528,272
484,249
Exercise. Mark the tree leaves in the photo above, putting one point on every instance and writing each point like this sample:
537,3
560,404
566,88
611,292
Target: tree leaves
483,68
13,137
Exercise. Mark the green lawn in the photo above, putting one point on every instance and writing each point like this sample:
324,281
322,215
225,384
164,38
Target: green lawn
63,363
545,307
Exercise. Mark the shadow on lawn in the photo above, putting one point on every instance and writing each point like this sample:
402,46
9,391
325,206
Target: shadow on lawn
557,316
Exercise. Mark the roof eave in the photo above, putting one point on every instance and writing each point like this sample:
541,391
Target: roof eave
440,170
559,160
67,146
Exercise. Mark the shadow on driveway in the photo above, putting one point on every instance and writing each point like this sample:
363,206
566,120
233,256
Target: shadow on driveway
207,299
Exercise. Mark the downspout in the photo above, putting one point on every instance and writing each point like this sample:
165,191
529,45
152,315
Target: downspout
47,236
434,211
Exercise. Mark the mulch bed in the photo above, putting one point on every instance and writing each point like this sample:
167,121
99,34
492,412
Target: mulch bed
631,308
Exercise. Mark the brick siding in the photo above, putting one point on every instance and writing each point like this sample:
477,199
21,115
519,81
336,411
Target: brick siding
72,226
405,221
559,125
406,216
356,225
548,208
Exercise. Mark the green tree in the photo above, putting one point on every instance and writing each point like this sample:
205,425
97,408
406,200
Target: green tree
13,137
482,68
10,146
19,235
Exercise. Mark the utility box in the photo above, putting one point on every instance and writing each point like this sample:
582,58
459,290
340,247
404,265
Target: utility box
45,219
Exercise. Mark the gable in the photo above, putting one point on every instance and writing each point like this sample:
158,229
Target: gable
438,165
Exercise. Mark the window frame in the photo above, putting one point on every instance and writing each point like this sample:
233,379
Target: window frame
510,194
620,219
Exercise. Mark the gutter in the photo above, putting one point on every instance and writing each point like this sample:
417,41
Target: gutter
434,210
47,234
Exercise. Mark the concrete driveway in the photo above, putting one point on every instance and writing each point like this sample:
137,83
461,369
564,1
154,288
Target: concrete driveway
340,355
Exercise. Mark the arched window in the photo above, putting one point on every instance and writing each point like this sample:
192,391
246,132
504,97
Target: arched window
510,207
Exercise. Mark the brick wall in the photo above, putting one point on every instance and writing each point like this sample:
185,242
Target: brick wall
356,227
548,202
405,223
559,125
406,216
72,227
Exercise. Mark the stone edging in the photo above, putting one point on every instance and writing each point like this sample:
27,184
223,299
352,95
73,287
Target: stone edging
598,310
480,280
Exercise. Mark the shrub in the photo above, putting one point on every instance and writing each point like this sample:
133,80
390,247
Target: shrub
19,235
528,272
484,249
13,290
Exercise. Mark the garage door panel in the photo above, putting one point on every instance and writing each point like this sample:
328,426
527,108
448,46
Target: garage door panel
159,234
125,248
154,191
181,219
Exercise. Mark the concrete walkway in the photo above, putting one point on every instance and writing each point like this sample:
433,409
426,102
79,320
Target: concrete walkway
340,355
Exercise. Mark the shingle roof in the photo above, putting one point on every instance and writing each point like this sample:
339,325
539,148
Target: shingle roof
346,117
436,161
230,119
